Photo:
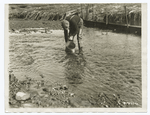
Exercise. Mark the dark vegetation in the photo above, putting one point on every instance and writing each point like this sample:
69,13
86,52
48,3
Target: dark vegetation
39,11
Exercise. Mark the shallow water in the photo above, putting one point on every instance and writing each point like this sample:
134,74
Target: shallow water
109,63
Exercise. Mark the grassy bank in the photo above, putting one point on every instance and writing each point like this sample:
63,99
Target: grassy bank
20,23
40,11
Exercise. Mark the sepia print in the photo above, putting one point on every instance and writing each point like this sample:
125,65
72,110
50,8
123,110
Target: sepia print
75,57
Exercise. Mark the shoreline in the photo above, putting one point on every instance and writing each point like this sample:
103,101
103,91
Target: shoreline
45,95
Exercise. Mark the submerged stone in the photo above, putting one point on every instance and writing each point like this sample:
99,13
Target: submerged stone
71,94
65,87
41,93
28,105
46,89
46,96
22,96
75,102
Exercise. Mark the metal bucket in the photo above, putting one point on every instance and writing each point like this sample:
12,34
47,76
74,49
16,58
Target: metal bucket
70,45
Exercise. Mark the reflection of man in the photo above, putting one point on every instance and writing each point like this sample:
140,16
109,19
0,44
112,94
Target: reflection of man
72,26
74,67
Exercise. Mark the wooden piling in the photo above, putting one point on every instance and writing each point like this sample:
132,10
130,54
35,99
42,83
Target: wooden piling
127,22
82,16
92,11
87,12
121,19
139,19
106,17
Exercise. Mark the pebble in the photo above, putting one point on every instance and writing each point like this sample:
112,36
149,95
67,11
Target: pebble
72,94
22,102
65,87
128,103
33,101
85,103
16,31
39,102
46,95
47,105
124,103
15,106
55,88
41,93
22,96
74,101
46,89
106,106
13,102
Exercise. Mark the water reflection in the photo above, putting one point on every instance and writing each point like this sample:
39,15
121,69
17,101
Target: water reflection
74,68
109,62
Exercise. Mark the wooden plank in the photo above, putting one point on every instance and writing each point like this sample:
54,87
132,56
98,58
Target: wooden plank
134,26
111,24
117,27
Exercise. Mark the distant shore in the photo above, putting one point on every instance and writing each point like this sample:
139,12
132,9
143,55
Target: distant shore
20,23
117,13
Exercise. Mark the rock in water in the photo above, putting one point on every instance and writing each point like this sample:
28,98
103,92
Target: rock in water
85,103
22,96
65,87
75,101
28,105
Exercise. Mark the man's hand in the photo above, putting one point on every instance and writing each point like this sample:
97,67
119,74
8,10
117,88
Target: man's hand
70,38
80,36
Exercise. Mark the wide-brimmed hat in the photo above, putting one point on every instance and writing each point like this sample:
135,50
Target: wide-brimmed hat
65,24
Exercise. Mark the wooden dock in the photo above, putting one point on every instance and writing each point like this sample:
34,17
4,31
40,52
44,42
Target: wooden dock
123,28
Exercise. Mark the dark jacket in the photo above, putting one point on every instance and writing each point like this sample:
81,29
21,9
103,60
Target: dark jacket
74,24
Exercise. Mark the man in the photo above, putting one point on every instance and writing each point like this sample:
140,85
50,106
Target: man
72,26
